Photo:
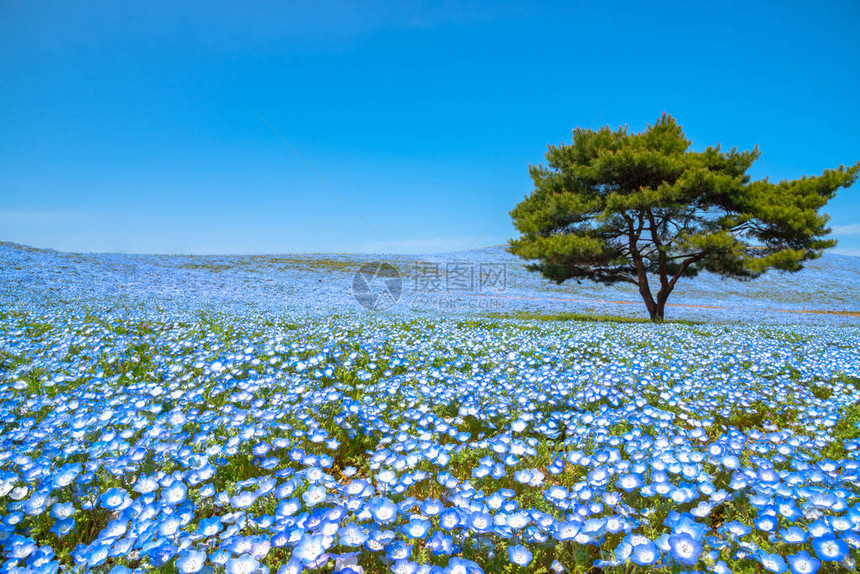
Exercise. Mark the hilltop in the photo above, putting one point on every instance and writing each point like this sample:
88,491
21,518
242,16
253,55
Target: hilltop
322,283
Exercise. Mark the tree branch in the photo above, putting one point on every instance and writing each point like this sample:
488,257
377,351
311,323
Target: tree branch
684,265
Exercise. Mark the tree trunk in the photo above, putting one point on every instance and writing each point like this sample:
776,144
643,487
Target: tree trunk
656,312
660,303
650,304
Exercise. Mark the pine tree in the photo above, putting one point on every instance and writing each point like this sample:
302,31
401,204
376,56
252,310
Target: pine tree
642,208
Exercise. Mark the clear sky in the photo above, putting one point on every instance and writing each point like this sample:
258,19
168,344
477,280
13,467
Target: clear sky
142,126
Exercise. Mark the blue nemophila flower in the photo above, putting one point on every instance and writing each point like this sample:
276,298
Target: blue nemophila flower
819,528
400,567
830,549
190,561
96,554
115,528
839,523
63,526
20,547
566,530
398,550
702,509
480,522
66,475
309,548
516,520
766,523
146,484
288,507
793,535
314,495
685,523
771,562
736,529
519,555
600,476
35,504
788,509
121,547
416,528
209,526
523,476
174,493
645,554
244,564
630,482
684,548
169,525
285,489
852,539
383,510
115,499
432,507
803,563
294,566
556,493
462,566
625,547
352,535
730,461
440,544
449,519
243,500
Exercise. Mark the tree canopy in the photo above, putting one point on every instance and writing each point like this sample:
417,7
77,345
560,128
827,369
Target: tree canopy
642,208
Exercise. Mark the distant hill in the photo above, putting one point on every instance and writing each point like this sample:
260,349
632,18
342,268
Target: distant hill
313,283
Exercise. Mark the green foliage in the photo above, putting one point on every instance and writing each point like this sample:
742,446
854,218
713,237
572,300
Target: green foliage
585,317
821,392
35,380
845,429
642,208
36,329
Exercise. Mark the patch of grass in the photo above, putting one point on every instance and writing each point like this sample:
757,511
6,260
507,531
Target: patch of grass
446,410
33,378
845,429
585,317
353,451
482,427
744,419
88,525
9,361
205,265
848,380
239,467
35,329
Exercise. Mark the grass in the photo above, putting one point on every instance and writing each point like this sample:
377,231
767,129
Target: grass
845,429
585,317
36,329
33,378
9,361
261,263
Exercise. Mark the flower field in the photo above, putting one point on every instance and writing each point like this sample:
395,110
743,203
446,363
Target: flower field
188,423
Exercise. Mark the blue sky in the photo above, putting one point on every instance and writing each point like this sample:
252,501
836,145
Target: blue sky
131,126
